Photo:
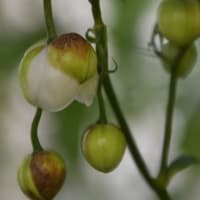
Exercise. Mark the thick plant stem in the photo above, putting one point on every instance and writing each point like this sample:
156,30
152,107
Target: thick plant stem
102,55
34,131
169,122
50,27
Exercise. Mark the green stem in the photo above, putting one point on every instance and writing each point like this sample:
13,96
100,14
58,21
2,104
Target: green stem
96,11
100,39
169,121
34,131
50,27
102,110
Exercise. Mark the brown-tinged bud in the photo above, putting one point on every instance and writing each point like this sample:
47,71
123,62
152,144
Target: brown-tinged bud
41,175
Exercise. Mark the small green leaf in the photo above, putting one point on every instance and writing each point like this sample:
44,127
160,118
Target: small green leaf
180,164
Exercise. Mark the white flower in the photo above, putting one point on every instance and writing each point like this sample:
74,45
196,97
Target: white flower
54,75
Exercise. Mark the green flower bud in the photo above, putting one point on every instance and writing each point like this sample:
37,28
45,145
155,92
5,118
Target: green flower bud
103,146
186,62
54,75
41,175
178,20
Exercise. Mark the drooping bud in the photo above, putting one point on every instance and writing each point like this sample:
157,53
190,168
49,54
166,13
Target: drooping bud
54,75
103,146
41,175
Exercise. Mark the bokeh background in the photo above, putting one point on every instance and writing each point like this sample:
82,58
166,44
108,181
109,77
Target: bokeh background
141,85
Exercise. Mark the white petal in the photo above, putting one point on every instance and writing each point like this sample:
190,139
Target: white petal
49,88
88,90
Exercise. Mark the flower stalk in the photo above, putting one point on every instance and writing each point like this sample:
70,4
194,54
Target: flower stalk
50,27
34,131
170,112
169,121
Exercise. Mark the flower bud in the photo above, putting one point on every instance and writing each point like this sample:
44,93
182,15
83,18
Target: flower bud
103,146
54,75
41,175
178,20
186,62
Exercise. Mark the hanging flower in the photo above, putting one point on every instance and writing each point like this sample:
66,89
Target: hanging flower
53,76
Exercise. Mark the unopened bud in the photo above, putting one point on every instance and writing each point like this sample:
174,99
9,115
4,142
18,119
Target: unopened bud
41,175
103,146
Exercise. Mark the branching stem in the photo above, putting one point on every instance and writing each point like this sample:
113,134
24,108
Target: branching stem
102,55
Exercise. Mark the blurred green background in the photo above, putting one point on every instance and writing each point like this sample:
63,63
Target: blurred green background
141,85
